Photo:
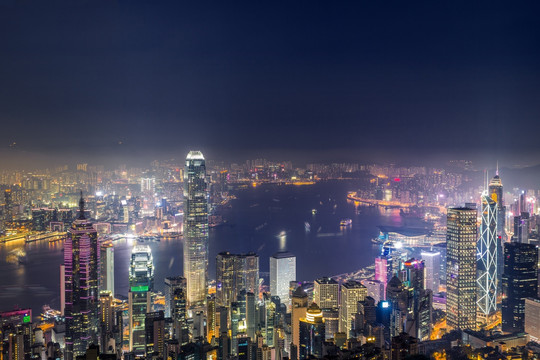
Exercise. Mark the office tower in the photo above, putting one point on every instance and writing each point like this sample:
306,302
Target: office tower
326,293
195,229
211,334
487,259
419,300
432,262
81,264
496,193
461,268
269,320
141,283
521,228
375,289
107,320
282,272
179,315
251,315
312,333
331,322
8,206
234,273
171,284
519,282
154,324
107,267
237,326
299,305
351,293
532,318
148,185
62,288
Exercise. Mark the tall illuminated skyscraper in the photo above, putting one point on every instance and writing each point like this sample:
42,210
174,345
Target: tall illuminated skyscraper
195,229
81,264
488,251
282,272
141,282
496,193
351,293
461,268
107,267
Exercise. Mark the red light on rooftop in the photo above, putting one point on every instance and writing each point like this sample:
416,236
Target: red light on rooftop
397,179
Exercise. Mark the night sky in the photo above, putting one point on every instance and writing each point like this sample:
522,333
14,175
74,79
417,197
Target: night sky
322,81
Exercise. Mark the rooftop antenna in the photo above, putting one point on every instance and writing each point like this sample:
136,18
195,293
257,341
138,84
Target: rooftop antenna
497,171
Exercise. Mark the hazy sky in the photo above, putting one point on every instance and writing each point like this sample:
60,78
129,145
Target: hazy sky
327,80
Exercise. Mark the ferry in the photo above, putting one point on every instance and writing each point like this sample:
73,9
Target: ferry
345,222
314,211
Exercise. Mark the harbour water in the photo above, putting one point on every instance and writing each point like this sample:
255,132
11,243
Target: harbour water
254,222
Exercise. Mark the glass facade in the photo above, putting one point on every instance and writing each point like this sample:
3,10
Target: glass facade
195,229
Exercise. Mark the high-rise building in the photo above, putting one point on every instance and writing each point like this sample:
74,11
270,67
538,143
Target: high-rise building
375,289
299,304
311,333
532,318
487,264
461,240
107,267
282,272
195,229
519,282
351,293
155,334
107,320
432,261
171,284
81,266
235,273
141,283
521,228
179,316
326,293
268,319
496,193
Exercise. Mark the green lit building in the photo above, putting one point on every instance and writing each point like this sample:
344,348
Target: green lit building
141,281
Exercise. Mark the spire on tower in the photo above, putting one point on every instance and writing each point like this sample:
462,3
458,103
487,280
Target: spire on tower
81,208
497,171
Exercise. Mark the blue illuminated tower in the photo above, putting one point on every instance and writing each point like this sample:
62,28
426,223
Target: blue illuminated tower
488,253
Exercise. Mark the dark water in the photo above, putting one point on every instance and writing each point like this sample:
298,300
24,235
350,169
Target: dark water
254,221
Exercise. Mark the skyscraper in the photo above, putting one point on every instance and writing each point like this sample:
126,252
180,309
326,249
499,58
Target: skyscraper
235,273
299,304
107,267
326,293
282,272
171,284
351,293
195,229
432,261
141,283
461,268
496,193
81,264
488,258
519,282
312,333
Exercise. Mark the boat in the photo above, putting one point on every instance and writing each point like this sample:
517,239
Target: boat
345,222
314,211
